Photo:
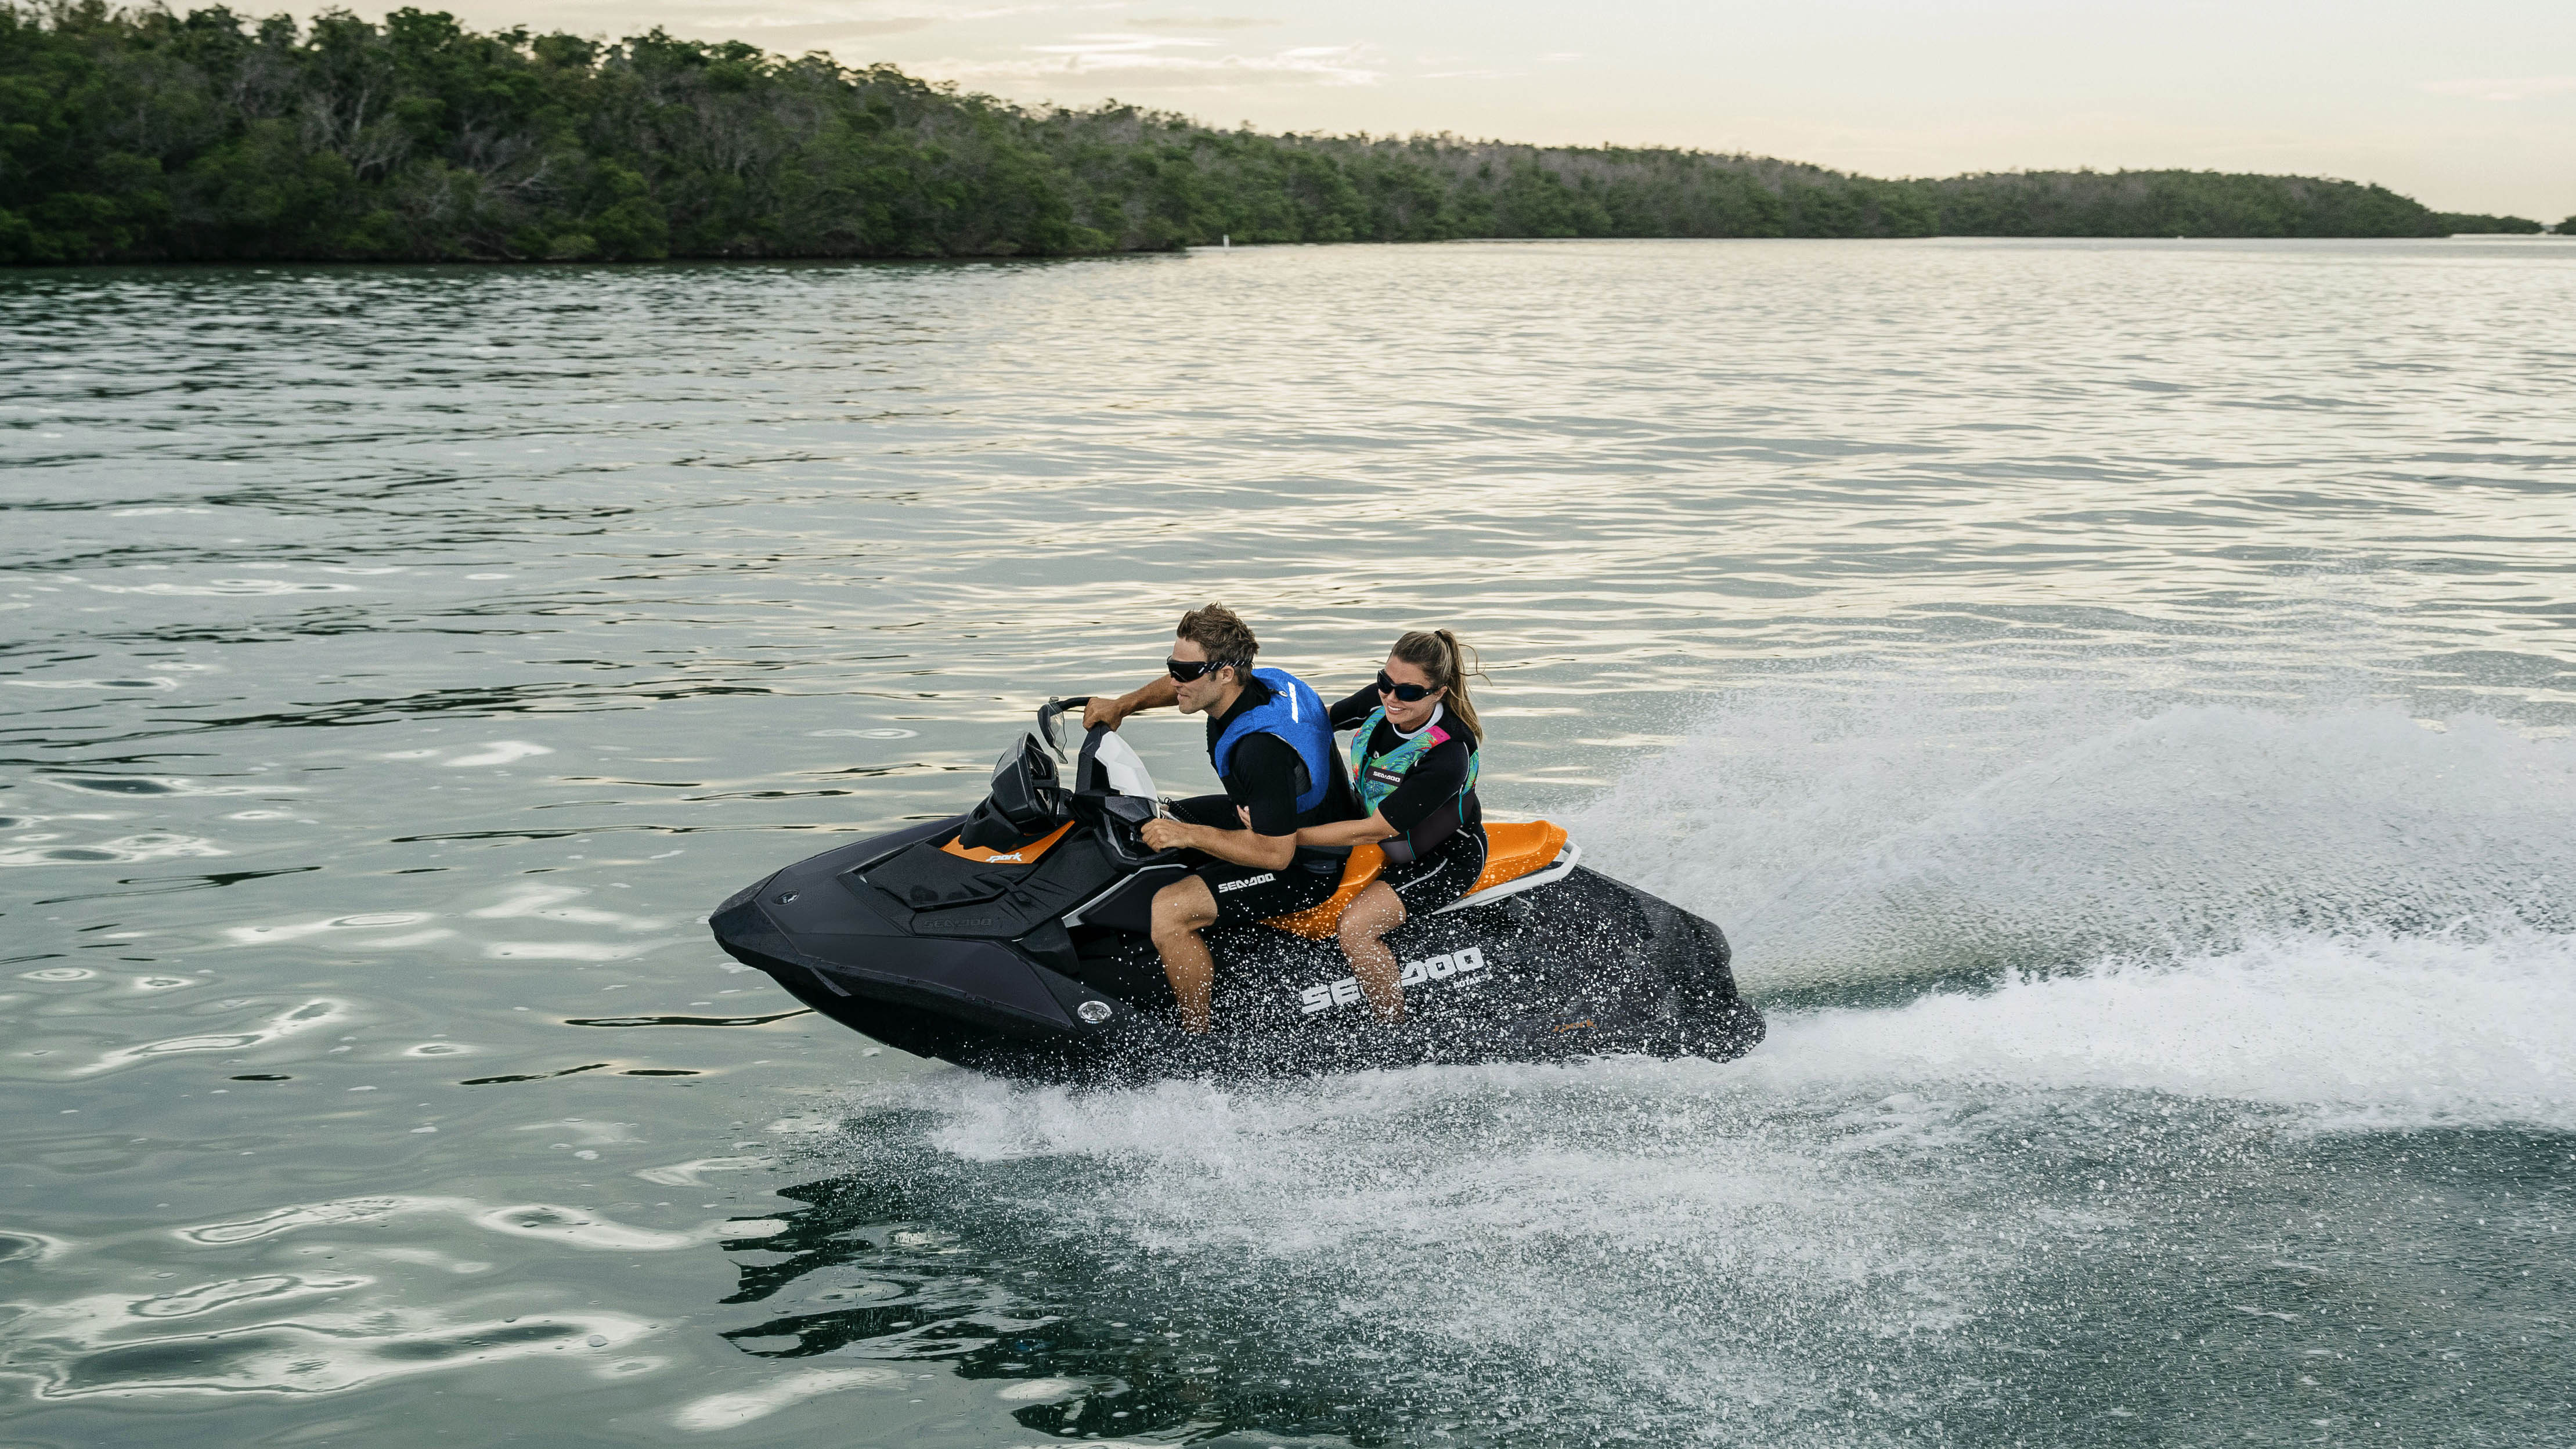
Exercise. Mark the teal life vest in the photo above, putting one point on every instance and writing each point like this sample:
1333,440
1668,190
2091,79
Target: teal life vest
1375,777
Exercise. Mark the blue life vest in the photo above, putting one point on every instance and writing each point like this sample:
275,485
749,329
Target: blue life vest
1295,713
1376,777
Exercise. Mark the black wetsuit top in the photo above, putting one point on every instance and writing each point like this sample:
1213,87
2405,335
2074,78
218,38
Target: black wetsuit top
1426,808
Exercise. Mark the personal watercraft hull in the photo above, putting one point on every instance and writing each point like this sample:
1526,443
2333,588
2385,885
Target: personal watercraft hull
1041,969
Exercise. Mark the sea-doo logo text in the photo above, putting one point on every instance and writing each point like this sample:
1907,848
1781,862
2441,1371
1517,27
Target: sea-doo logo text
1461,967
1264,878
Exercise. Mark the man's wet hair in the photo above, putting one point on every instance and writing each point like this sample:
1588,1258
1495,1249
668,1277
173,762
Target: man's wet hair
1223,634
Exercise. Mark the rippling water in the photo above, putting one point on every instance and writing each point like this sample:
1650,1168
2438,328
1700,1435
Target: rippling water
2117,696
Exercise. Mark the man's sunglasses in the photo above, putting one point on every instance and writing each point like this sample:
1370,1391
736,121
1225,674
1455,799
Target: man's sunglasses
1406,692
1185,670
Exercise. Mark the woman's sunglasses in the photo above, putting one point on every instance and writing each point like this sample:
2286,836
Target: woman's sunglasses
1406,692
1185,670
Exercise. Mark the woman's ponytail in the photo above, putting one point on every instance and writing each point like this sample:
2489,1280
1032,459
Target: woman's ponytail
1439,655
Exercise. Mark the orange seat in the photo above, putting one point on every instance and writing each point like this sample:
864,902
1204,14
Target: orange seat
1317,923
1519,848
1512,850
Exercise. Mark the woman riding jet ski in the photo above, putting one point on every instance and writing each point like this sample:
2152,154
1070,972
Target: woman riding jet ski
1021,939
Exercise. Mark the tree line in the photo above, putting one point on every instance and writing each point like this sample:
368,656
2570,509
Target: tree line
145,135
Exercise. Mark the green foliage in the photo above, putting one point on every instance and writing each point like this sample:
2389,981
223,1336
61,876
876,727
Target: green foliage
145,135
2461,223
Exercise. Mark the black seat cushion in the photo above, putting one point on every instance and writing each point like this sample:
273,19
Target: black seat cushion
927,878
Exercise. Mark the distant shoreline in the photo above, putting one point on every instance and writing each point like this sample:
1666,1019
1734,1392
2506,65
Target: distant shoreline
209,138
482,264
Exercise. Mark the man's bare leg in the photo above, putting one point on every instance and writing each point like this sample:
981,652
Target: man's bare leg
1365,921
1181,909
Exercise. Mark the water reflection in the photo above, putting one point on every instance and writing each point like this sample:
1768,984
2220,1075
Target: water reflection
865,1267
2116,693
325,1312
112,1349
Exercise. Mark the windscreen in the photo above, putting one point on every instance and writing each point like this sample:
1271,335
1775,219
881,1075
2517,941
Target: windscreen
1121,770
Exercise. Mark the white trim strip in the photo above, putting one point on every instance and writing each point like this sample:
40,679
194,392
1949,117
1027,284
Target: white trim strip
1073,917
1557,870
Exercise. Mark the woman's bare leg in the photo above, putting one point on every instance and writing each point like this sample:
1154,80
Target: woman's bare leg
1370,915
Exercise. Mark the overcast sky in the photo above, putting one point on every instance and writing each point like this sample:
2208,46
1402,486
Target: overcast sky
2467,105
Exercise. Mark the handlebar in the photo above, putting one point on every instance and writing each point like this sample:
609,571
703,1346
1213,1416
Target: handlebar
1122,816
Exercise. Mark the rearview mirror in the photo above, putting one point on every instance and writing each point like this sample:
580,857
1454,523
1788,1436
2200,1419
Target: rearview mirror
1051,721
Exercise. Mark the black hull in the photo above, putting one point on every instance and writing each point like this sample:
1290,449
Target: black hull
1574,968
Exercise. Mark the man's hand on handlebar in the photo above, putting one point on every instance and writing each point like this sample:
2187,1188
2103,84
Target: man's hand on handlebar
1157,693
1165,834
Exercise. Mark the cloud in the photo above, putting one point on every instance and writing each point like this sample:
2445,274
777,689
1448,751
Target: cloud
2521,89
771,33
988,12
1204,22
1105,45
846,19
1166,59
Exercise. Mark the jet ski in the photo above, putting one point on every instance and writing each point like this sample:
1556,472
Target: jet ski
1012,940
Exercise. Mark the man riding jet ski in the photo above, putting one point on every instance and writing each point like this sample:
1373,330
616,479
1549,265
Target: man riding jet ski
1049,933
1271,742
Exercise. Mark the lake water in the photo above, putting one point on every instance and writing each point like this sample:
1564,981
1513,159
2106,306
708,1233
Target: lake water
2117,696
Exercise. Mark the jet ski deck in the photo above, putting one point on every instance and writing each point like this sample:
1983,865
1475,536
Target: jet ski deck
1013,941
